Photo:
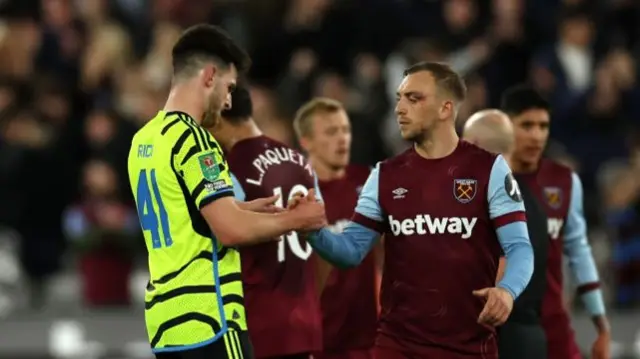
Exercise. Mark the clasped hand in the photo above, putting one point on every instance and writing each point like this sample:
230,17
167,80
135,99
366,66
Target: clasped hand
307,212
311,211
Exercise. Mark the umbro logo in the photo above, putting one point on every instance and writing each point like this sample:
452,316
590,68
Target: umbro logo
399,192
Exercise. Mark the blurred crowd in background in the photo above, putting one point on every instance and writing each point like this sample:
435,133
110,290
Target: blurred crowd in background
77,78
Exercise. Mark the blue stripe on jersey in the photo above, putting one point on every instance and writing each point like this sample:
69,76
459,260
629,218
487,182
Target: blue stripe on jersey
500,203
368,204
237,188
346,249
514,239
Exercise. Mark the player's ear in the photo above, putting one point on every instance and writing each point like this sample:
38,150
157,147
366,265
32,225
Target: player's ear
208,75
447,109
305,143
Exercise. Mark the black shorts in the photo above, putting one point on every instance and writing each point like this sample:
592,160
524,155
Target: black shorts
233,345
522,341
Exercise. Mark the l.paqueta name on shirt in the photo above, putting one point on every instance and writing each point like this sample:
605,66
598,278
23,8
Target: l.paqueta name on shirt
274,157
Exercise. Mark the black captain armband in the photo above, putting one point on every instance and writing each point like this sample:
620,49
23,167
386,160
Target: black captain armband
512,187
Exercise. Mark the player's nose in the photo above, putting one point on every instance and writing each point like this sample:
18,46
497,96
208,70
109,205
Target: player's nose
538,135
227,102
400,110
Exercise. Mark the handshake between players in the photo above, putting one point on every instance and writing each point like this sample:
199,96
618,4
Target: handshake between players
305,213
498,301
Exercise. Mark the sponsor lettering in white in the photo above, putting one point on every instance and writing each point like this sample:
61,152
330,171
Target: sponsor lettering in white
425,224
291,240
554,226
276,156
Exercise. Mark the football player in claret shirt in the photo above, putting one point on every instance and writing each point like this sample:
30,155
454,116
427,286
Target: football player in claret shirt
560,190
349,305
522,336
281,299
448,210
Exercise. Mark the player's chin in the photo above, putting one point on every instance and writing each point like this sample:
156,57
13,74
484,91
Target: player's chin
406,134
340,161
532,158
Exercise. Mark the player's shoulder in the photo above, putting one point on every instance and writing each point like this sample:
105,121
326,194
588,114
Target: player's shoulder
180,127
547,164
476,153
358,170
554,169
258,145
403,159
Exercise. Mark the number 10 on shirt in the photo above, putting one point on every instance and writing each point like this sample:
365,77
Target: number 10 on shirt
146,209
291,240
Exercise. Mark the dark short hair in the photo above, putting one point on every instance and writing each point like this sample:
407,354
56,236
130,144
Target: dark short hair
521,98
446,78
208,41
241,105
575,12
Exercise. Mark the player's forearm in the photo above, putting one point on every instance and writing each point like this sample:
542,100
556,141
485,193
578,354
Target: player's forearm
246,227
581,263
346,249
601,323
514,238
594,304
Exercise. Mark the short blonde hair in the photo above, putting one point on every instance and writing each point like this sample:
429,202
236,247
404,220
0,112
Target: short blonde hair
302,123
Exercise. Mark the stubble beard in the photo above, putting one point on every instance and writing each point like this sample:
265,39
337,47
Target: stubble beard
210,118
211,114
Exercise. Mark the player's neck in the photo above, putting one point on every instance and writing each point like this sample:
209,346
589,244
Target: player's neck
521,166
180,100
326,172
441,143
240,132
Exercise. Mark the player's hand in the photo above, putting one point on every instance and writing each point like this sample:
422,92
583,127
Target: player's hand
295,200
601,347
263,205
309,213
497,307
298,197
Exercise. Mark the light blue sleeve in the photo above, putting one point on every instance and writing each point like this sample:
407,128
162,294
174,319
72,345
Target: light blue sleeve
503,193
368,204
237,188
348,249
316,186
506,209
576,247
514,239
